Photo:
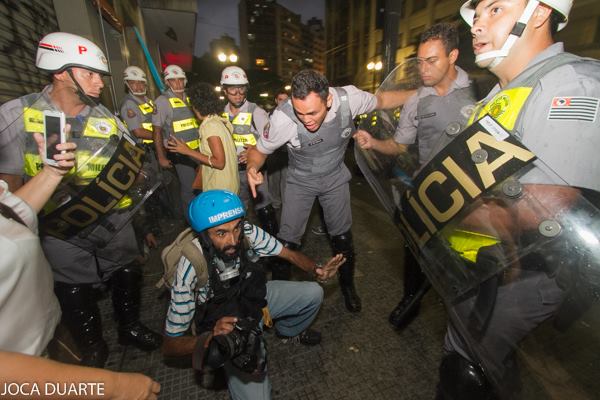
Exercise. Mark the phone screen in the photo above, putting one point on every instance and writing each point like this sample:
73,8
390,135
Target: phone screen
52,136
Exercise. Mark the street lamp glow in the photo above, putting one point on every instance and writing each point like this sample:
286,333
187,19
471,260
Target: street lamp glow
378,65
217,88
233,58
370,65
264,95
222,57
287,87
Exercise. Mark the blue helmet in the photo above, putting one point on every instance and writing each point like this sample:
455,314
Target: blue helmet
214,207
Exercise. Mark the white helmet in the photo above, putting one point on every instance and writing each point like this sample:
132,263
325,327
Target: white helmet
173,72
468,14
233,76
60,50
133,73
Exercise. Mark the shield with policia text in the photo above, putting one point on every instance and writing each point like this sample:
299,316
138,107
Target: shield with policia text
513,250
110,181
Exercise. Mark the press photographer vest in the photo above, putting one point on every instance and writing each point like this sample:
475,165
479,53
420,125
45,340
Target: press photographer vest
322,152
242,128
244,297
440,114
184,124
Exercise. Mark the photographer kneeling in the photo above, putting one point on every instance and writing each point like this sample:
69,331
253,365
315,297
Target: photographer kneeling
231,300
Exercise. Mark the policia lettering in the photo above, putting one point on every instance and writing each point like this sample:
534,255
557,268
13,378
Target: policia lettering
481,156
184,125
99,196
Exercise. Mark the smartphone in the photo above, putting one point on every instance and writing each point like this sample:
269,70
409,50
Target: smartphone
54,133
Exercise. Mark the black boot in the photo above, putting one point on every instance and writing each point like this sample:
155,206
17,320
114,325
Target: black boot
281,270
126,301
268,219
416,286
81,316
343,244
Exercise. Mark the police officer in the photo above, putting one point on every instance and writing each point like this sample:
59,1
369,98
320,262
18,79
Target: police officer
79,264
249,121
440,105
174,116
136,108
317,125
136,111
539,100
231,292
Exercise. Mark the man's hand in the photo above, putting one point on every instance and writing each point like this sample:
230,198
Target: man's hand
224,326
66,160
151,240
255,178
330,268
129,386
364,139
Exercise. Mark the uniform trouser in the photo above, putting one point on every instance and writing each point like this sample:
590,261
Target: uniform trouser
277,176
83,261
263,198
298,202
186,172
293,306
520,307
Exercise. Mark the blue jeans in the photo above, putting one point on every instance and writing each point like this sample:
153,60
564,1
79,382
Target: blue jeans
293,307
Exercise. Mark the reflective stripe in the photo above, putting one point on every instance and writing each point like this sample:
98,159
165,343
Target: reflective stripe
193,144
467,244
242,140
176,102
147,126
146,108
33,120
184,125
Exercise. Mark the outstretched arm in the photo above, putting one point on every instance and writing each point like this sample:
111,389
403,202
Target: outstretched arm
393,98
256,159
21,368
302,261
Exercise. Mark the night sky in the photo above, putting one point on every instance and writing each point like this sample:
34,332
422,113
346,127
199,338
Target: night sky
217,17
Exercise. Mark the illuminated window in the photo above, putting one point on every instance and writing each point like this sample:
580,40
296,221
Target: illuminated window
260,61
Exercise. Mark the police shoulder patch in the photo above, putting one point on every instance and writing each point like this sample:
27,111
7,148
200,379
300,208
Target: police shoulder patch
130,113
266,131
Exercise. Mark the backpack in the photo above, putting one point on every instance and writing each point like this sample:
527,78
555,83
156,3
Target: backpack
182,246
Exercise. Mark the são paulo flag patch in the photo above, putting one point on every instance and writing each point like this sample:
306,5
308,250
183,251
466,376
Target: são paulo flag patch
574,108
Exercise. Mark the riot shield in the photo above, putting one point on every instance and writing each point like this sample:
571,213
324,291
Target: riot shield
512,250
389,175
109,183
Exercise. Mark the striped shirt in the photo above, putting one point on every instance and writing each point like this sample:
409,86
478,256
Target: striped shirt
185,295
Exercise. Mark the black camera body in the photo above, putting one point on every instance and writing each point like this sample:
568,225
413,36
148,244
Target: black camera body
243,346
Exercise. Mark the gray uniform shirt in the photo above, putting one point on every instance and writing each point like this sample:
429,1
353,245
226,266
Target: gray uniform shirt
560,122
283,129
131,113
406,131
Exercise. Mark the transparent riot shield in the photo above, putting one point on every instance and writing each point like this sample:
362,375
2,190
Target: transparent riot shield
514,251
110,181
389,175
510,247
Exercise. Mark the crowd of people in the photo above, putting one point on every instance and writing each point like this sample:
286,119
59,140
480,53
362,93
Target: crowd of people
233,278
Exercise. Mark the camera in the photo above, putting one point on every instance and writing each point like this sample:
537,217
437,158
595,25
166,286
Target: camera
243,346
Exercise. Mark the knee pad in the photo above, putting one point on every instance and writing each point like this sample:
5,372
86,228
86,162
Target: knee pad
460,379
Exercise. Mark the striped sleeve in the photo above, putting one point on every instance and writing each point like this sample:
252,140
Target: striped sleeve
262,242
182,306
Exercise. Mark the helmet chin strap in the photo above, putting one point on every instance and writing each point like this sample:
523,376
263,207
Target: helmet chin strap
87,100
134,92
498,56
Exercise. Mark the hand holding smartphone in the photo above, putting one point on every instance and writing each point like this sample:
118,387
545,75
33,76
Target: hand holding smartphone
54,133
